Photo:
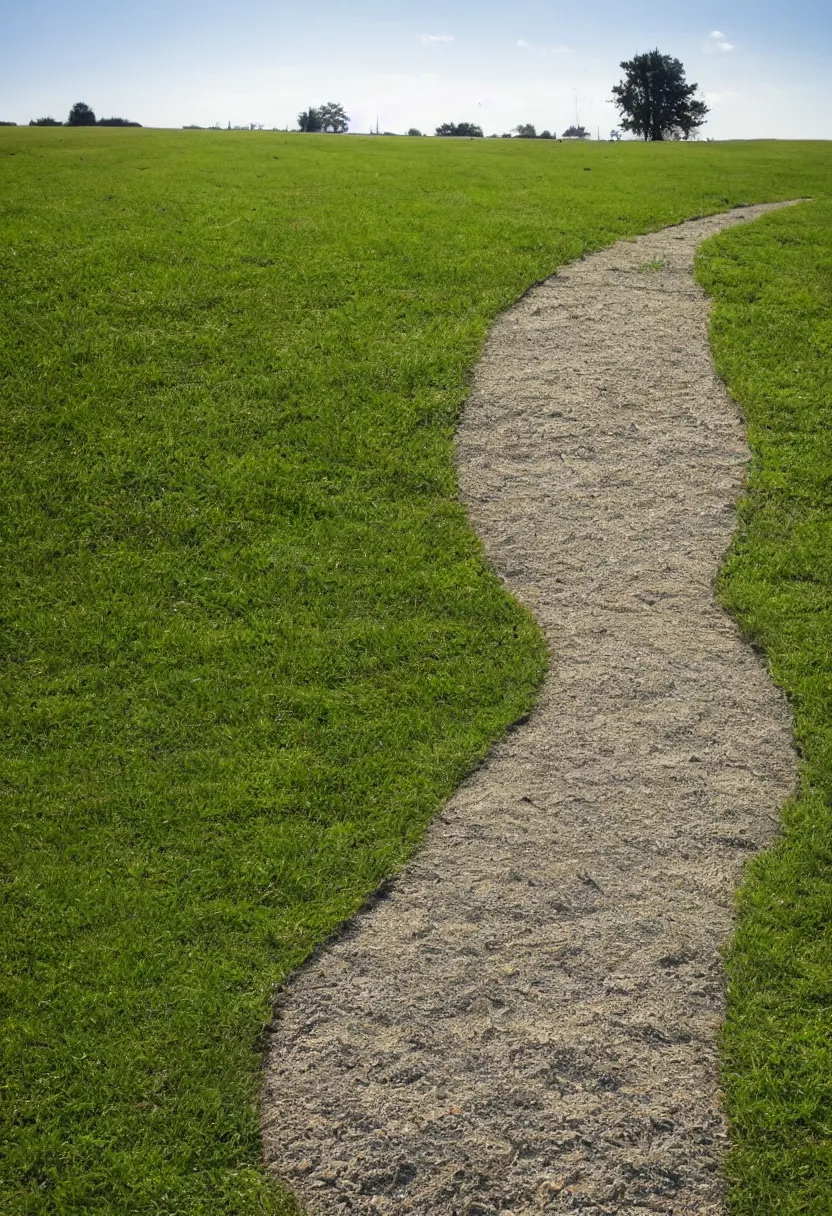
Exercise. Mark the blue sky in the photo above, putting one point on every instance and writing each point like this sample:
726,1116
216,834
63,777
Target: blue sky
764,67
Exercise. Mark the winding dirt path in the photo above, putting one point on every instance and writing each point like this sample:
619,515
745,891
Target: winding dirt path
527,1021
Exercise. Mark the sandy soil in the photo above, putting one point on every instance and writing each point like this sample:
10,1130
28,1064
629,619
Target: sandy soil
526,1022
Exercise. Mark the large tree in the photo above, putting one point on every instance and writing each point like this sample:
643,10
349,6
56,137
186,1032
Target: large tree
81,116
333,118
655,100
310,120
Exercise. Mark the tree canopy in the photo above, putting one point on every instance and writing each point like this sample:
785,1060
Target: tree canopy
45,122
310,120
655,100
469,129
328,117
526,130
576,132
117,122
333,118
81,116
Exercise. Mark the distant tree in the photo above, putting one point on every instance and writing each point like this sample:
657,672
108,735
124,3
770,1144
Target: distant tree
45,122
461,129
655,100
574,132
81,116
526,131
116,122
615,135
7,124
333,118
545,135
506,135
414,131
310,120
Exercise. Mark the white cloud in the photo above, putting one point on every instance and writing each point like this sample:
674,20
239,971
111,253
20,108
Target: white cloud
522,42
558,49
715,99
429,39
717,39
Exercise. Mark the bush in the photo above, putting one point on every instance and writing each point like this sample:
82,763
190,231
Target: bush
116,122
45,122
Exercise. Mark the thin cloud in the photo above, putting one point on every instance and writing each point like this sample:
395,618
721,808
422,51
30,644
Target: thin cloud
715,99
717,39
522,42
430,39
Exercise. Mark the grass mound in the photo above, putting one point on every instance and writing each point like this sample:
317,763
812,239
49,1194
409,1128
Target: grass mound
772,335
250,643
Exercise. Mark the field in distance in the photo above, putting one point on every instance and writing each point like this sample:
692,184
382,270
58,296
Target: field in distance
250,641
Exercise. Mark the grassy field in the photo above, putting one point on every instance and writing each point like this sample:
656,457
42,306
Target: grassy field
772,334
250,643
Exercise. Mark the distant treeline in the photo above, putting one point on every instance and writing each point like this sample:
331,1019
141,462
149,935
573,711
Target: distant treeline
526,130
80,116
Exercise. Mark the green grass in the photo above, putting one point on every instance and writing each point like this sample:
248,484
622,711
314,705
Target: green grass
250,643
772,334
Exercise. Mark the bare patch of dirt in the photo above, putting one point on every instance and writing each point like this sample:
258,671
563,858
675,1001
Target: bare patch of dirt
527,1022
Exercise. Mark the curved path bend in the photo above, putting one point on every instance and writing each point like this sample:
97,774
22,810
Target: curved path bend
527,1022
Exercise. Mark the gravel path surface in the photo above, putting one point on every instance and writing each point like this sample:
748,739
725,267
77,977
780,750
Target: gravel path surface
526,1022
